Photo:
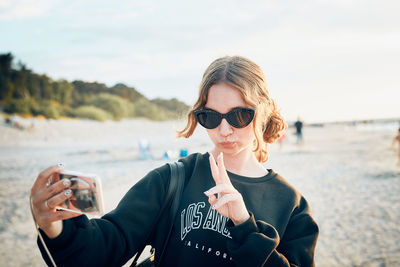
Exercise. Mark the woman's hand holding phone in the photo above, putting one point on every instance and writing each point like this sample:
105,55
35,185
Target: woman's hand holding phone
48,193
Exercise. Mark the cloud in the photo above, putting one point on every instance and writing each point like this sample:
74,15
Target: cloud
24,9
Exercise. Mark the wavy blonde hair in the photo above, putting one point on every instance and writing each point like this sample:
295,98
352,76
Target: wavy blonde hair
249,79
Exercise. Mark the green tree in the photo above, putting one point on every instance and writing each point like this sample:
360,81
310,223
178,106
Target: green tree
144,108
93,113
90,88
113,104
63,92
49,109
6,85
33,83
19,78
18,106
45,87
126,92
176,108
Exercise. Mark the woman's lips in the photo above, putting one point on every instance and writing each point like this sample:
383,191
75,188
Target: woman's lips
227,144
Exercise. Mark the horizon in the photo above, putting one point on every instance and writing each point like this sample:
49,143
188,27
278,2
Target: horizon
324,61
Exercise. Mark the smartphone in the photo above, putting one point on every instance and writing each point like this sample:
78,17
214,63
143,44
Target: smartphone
87,194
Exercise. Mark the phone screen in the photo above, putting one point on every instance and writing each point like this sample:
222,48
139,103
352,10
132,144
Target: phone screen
86,193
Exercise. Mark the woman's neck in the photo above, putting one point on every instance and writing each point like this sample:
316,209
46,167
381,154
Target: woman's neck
243,163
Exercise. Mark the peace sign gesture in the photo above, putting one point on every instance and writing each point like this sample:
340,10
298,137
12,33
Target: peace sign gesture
229,202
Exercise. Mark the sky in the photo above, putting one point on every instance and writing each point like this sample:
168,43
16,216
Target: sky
324,60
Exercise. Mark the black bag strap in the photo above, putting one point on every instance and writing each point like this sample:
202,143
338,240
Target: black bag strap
175,189
178,174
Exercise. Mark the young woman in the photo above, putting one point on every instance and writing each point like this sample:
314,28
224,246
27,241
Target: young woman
233,211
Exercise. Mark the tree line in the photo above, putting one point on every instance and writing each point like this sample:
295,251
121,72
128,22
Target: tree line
23,91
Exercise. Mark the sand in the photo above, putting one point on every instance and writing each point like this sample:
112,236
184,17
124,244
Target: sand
347,173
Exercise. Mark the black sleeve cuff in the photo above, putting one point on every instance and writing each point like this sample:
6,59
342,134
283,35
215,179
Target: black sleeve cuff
240,232
63,238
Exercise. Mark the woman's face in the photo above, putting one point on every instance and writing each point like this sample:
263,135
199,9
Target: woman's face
226,138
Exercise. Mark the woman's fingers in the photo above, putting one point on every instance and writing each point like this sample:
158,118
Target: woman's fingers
214,169
45,212
219,171
227,193
225,199
58,199
48,192
220,189
56,188
45,175
223,175
212,200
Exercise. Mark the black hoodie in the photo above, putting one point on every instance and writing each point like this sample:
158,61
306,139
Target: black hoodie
280,231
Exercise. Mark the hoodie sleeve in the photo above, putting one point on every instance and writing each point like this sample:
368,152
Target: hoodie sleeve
257,243
113,239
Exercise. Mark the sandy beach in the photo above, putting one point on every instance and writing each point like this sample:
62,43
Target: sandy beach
348,174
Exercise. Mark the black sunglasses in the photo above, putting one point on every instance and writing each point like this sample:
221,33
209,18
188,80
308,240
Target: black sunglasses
237,117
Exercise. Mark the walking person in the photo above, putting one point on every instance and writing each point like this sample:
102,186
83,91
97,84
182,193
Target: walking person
299,131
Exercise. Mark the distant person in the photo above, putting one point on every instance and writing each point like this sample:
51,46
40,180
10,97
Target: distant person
281,139
16,122
396,139
233,211
299,131
8,122
32,124
144,150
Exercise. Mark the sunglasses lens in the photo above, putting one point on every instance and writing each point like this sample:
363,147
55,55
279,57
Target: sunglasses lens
240,117
208,119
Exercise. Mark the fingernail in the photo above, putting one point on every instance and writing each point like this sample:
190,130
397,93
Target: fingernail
66,182
213,207
68,192
207,192
60,165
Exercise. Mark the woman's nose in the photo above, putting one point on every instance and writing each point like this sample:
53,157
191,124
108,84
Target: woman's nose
225,128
